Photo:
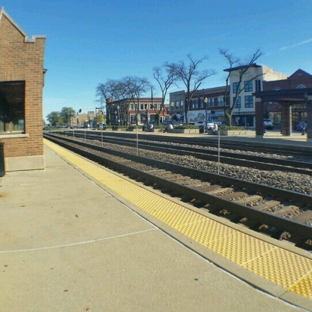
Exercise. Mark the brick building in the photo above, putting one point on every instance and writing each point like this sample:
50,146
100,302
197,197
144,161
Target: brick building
298,80
287,101
244,81
21,83
128,111
205,104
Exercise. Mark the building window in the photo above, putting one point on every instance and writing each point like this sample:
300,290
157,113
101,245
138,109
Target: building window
211,102
201,102
248,86
12,107
238,102
181,103
235,87
249,101
132,119
141,106
258,85
132,106
220,100
193,103
301,87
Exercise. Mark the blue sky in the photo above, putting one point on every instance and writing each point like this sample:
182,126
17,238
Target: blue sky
91,41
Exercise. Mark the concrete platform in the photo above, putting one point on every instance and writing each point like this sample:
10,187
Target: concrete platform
68,243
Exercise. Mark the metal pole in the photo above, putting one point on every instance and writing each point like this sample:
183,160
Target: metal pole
206,101
218,151
137,139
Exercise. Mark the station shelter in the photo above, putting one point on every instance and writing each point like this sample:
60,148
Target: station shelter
21,84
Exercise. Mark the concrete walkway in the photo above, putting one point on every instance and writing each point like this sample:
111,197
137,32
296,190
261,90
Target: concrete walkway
70,244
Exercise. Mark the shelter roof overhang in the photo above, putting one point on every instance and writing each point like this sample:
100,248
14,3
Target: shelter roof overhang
287,95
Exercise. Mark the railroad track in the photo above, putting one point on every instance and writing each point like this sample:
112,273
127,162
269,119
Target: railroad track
236,159
281,214
226,143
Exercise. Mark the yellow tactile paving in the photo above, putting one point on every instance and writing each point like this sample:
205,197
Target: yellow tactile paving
284,268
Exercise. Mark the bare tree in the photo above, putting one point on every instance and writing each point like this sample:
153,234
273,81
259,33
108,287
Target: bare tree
135,87
191,77
165,77
112,90
241,68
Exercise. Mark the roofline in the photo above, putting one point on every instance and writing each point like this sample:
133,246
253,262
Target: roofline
240,67
296,93
27,39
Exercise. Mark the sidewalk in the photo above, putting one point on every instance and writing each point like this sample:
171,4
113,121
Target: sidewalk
70,244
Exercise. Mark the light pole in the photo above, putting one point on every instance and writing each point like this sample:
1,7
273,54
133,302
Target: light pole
118,115
171,108
206,101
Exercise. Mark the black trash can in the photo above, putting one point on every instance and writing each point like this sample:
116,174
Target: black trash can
201,129
2,171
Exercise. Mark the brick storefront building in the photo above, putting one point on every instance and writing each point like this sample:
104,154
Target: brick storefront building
290,98
21,83
128,111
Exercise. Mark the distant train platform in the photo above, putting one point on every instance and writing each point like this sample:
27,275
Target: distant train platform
79,237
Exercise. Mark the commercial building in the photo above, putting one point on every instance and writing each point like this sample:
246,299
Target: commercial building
244,81
21,82
131,111
287,101
205,104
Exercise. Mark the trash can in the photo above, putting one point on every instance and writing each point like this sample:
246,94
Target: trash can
201,129
2,171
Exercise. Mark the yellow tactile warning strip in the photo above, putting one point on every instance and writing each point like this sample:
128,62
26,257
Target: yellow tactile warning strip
284,268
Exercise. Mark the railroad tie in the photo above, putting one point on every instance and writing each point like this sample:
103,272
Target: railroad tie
235,195
304,216
268,205
220,191
286,210
249,199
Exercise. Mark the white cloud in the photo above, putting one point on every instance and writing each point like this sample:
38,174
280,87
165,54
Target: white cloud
296,44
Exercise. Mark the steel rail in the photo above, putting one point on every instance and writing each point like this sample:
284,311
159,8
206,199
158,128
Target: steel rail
261,217
257,162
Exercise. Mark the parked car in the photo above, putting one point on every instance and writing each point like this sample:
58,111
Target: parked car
173,122
268,124
217,121
102,126
166,122
301,125
210,124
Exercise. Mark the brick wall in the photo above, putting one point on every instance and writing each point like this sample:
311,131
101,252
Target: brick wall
21,59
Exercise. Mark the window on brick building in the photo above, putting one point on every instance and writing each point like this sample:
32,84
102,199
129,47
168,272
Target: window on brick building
220,100
301,87
248,86
238,102
249,103
201,102
12,107
235,86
